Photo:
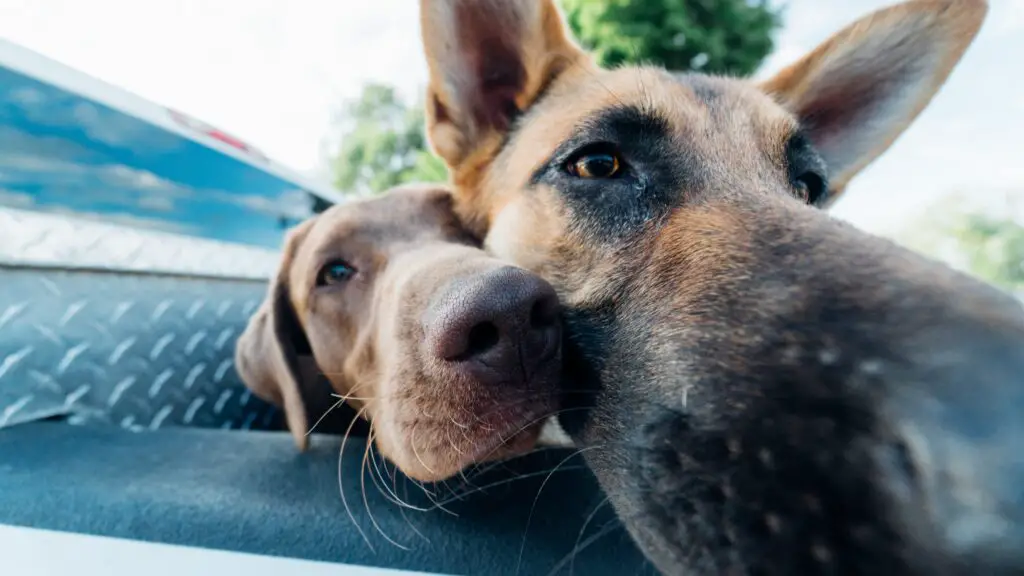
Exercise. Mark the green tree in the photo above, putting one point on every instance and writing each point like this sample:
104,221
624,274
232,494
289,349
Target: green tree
383,144
715,36
383,141
984,243
993,248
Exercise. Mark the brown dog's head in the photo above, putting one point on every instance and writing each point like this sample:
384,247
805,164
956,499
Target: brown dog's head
452,355
771,390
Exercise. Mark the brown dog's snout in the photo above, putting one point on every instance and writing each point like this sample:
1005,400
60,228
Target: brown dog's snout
497,327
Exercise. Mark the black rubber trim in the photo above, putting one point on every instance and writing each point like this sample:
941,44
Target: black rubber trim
252,492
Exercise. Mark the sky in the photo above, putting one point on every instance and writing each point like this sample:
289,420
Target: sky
274,73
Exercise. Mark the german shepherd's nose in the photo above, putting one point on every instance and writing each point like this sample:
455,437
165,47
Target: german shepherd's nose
853,404
957,453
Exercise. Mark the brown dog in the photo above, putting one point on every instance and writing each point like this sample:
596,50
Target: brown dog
772,390
452,355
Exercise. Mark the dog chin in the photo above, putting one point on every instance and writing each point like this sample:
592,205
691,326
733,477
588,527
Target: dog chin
501,447
506,435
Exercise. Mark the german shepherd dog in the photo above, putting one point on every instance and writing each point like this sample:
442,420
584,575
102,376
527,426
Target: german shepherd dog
759,388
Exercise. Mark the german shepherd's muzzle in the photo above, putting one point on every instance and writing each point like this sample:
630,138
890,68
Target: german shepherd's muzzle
760,389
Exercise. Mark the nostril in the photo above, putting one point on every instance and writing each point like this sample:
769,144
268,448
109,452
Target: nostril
543,314
481,338
902,472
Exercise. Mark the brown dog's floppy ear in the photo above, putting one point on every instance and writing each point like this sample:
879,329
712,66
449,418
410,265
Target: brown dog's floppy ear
488,60
267,352
861,88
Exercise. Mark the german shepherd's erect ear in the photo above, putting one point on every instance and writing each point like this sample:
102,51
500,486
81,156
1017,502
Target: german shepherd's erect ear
860,89
491,60
488,61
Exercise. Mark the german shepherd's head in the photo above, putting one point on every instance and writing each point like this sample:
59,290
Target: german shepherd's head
759,387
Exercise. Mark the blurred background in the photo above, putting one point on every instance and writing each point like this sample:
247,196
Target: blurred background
333,90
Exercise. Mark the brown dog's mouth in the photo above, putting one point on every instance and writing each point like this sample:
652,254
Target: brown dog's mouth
516,435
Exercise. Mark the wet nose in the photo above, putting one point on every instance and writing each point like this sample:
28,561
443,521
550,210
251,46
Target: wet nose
497,327
962,450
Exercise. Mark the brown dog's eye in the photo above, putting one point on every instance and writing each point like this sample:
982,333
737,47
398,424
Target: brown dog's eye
334,272
595,165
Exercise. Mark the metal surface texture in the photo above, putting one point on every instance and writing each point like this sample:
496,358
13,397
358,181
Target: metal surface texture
134,244
140,351
34,238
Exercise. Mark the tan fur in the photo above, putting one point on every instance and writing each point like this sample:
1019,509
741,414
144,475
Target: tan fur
692,267
939,29
366,337
488,180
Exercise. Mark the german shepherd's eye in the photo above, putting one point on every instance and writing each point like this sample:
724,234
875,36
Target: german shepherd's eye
334,272
595,162
810,187
808,173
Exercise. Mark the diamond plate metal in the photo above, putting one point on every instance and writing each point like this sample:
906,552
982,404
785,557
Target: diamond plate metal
57,240
137,350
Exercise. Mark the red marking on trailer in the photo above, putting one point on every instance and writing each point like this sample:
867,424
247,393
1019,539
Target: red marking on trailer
215,133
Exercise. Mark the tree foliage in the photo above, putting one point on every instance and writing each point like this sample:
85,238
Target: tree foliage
993,248
986,243
715,36
383,140
384,144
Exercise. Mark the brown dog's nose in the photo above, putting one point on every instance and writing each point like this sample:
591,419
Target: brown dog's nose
498,327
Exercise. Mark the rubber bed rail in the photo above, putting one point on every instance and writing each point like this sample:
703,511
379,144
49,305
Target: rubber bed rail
252,492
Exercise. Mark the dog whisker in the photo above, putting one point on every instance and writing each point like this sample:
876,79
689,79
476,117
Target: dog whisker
477,469
393,474
522,399
453,444
578,547
456,497
530,424
341,399
415,530
412,446
347,397
366,501
380,481
465,481
529,518
484,468
430,493
341,486
394,485
437,505
402,504
352,391
321,419
581,546
413,526
424,399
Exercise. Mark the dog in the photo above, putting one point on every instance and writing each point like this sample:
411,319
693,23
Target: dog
761,388
452,355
